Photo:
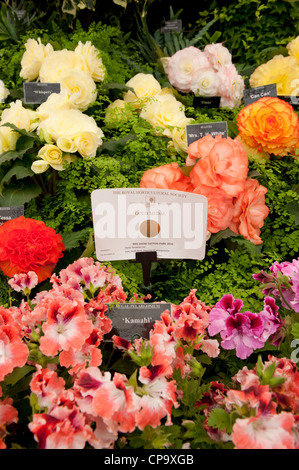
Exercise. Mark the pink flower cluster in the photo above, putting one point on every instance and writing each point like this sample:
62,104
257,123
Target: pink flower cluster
219,172
283,283
59,334
207,73
264,415
245,332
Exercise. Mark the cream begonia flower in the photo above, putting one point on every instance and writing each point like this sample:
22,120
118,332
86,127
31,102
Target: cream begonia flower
39,166
52,155
164,112
145,86
179,135
21,117
80,88
8,139
293,48
33,58
57,62
92,64
55,102
280,70
205,83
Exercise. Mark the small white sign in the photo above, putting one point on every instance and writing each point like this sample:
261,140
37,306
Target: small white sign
131,220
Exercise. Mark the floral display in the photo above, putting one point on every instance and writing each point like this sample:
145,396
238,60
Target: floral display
206,73
220,173
188,354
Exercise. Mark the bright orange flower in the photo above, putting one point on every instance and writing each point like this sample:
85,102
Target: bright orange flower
270,124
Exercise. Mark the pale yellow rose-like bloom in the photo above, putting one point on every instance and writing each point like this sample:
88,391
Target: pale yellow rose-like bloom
33,58
117,113
57,62
80,88
93,64
164,62
39,166
280,70
8,139
68,123
21,117
87,144
163,111
52,155
293,48
66,144
179,136
54,103
145,86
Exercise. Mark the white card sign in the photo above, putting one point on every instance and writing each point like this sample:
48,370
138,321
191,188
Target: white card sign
130,220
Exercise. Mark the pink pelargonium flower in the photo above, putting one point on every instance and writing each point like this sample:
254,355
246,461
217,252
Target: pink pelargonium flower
13,351
117,401
64,427
66,327
47,386
23,281
158,397
264,432
183,65
240,331
8,415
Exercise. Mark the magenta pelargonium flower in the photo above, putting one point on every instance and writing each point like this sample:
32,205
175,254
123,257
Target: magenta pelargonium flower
244,332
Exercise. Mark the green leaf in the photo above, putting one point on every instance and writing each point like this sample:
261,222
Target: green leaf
114,145
17,374
17,195
19,171
73,239
217,237
293,209
295,330
219,419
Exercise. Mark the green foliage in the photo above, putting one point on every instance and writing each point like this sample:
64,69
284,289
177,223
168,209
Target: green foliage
255,31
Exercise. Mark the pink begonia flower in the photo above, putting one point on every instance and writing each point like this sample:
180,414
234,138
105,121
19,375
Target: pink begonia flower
183,65
47,386
218,55
205,83
117,401
20,282
64,427
231,86
264,432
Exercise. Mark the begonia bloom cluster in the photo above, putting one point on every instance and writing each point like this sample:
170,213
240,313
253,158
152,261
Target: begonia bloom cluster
219,171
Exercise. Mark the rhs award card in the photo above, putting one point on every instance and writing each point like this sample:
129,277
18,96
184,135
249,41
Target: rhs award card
129,220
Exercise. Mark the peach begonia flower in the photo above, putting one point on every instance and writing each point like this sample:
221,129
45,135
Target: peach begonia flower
250,211
220,208
201,148
225,166
168,176
270,124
